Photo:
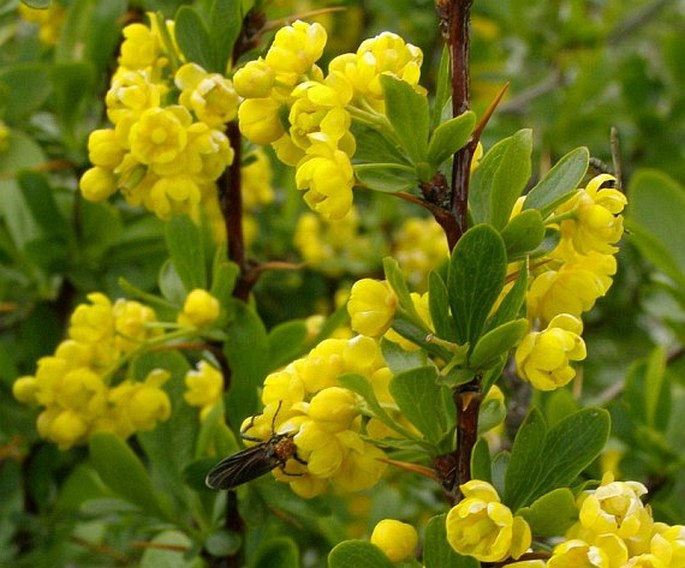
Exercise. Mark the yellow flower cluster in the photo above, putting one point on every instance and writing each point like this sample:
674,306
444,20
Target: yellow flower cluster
480,525
164,153
306,400
74,384
580,268
615,529
569,281
420,246
305,115
49,20
332,246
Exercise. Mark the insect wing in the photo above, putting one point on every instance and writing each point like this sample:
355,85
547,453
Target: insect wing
244,466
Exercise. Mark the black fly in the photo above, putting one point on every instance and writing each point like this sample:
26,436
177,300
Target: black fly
253,462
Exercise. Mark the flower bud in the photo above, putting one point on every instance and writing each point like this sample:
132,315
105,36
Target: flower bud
397,540
200,309
371,306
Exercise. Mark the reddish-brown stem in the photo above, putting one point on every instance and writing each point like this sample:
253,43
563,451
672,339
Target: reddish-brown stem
455,469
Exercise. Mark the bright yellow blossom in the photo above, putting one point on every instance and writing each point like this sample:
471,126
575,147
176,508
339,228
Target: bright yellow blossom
209,95
482,527
595,223
372,305
204,386
396,539
200,309
543,357
327,177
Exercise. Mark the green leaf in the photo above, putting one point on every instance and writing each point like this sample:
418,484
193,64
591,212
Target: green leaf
437,553
552,514
224,276
73,83
186,249
247,350
560,183
361,386
480,461
123,472
161,556
387,178
419,397
170,284
438,304
374,148
193,38
40,198
24,88
510,306
490,415
449,137
400,360
408,114
443,87
476,276
523,234
568,448
500,178
286,343
37,4
395,278
656,217
497,343
224,26
524,464
279,552
654,384
357,553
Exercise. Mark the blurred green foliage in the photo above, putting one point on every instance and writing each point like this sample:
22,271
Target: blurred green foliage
575,69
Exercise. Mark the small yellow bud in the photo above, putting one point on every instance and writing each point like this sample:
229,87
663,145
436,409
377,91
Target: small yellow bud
24,389
254,81
397,540
200,309
371,306
97,184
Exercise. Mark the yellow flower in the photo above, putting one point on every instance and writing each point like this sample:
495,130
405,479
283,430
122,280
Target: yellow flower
65,427
140,405
205,386
386,53
97,184
543,357
668,544
209,95
104,148
573,288
260,121
420,246
482,527
333,409
130,94
615,507
200,309
257,177
596,223
173,194
140,48
327,176
372,305
576,553
160,134
396,539
254,80
296,48
24,389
